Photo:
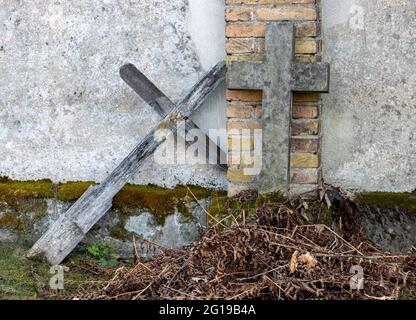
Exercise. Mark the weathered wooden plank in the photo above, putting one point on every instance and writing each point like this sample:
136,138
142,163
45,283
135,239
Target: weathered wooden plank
154,97
71,227
146,89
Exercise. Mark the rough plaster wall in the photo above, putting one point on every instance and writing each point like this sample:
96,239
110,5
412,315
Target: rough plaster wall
206,25
369,119
65,114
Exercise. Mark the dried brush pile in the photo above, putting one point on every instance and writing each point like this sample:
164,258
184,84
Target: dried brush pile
275,254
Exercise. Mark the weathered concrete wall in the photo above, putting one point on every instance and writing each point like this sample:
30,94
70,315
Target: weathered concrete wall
169,217
369,119
65,114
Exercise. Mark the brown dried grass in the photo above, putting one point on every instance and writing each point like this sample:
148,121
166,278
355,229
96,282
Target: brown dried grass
275,254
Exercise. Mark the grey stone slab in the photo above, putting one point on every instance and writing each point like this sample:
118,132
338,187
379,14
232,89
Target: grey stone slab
278,77
310,77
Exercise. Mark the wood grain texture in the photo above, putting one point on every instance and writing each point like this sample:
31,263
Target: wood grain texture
154,97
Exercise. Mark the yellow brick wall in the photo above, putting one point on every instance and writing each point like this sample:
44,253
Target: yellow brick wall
245,30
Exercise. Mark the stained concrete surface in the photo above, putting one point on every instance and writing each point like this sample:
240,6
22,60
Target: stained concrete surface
369,119
66,115
181,226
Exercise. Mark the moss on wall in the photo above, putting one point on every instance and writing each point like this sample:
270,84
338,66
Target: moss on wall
388,200
159,201
20,215
12,190
71,191
22,202
17,280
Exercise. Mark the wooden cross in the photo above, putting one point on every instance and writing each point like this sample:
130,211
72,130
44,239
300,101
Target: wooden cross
155,98
72,226
278,76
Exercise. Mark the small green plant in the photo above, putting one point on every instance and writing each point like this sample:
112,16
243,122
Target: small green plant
104,252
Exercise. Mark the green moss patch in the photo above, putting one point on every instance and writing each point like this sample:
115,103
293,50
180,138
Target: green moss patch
14,190
21,278
71,191
20,214
161,201
388,200
17,279
158,200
